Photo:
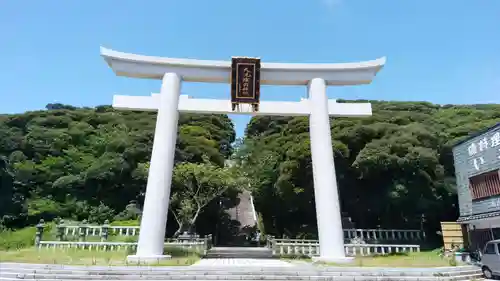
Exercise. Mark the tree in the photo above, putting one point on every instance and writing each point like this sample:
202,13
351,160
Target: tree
392,168
71,162
194,186
11,199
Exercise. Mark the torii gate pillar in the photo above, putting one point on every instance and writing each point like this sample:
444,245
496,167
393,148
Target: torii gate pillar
169,103
328,215
157,198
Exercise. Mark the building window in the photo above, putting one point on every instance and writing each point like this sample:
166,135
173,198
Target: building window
490,249
485,185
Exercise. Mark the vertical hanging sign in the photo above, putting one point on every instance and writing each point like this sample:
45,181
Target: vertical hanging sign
245,82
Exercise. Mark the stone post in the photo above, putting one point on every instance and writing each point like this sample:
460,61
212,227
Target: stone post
82,231
60,230
39,232
270,241
105,231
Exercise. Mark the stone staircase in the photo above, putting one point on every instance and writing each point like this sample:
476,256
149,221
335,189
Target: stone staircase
14,271
239,252
244,212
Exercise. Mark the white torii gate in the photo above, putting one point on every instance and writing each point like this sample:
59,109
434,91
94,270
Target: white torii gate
169,103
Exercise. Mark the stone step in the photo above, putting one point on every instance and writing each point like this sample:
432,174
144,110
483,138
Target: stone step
256,265
158,277
236,255
259,277
467,277
10,273
175,268
239,252
236,267
243,212
191,270
245,255
247,271
172,274
401,271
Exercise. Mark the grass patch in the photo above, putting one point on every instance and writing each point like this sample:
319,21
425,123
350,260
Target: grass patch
22,238
421,259
85,257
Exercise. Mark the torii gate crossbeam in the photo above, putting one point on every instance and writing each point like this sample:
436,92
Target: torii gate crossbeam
214,106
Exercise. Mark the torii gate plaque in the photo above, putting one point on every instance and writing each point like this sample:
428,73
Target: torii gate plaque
245,82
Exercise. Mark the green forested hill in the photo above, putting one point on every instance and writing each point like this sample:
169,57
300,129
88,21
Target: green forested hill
395,169
86,163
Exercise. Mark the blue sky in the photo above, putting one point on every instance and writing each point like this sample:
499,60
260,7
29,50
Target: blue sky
445,51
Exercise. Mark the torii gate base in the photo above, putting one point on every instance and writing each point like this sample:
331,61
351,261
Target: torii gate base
169,103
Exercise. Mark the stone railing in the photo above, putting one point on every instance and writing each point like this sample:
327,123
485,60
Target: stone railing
296,247
83,232
385,234
97,230
198,246
375,236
